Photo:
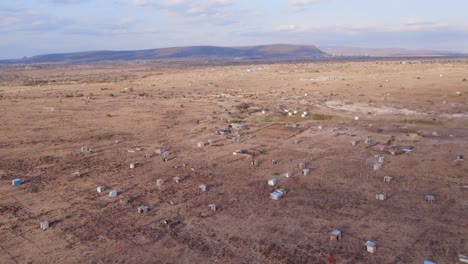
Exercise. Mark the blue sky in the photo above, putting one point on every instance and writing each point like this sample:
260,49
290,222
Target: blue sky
32,27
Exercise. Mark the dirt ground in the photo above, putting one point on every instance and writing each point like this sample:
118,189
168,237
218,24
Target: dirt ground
49,112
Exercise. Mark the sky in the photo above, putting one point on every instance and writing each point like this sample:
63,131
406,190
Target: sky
33,27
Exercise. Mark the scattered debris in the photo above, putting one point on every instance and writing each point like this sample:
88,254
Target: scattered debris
133,150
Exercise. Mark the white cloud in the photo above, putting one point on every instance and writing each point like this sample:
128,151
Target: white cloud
303,2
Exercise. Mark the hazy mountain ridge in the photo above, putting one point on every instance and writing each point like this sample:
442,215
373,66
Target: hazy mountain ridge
278,51
386,52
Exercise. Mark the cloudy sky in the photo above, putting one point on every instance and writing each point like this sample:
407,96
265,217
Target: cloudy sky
32,27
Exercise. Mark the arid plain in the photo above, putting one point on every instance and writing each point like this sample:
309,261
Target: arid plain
124,111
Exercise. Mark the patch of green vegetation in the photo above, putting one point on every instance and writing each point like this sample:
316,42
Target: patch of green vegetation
200,129
420,122
43,160
103,136
34,82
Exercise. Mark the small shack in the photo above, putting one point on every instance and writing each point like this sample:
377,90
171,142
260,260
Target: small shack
429,198
377,166
387,179
463,258
429,262
276,195
16,182
288,174
159,182
274,162
254,162
213,207
100,189
272,182
133,165
335,235
353,142
201,144
44,225
113,193
143,209
305,172
147,156
203,187
381,196
301,165
176,179
370,246
381,159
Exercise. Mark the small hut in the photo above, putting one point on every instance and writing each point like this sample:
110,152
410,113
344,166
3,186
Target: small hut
429,198
301,165
176,179
113,193
387,179
305,172
203,187
143,209
100,189
370,246
381,196
44,225
159,182
274,162
201,144
377,166
213,207
381,159
16,182
335,235
272,182
276,195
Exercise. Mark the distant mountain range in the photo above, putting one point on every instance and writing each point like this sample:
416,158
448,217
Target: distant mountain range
277,52
266,52
386,52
